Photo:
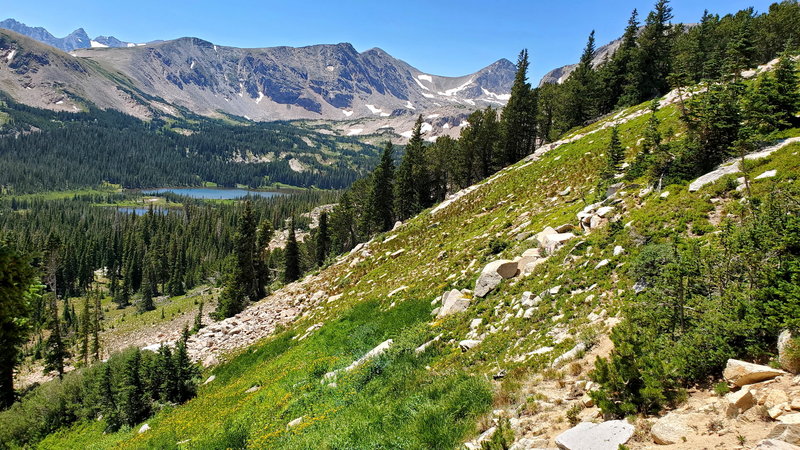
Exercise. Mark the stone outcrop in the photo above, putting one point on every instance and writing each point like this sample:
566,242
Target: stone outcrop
742,373
596,436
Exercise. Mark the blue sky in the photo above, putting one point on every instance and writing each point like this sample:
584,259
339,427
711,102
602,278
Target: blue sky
442,37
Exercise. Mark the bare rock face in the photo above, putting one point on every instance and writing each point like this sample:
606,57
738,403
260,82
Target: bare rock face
672,428
493,274
595,436
742,373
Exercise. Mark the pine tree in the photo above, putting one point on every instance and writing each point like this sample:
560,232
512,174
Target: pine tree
323,241
198,319
412,192
149,285
518,122
246,252
95,348
185,371
108,404
15,312
647,75
233,297
291,267
787,99
615,72
56,351
262,252
175,287
382,193
85,330
134,404
581,88
166,367
615,155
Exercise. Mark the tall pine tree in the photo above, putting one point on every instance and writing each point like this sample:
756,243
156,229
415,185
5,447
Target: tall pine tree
518,122
291,267
381,206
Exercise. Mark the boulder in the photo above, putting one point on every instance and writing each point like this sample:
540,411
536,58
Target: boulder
540,236
475,323
739,402
618,250
672,428
613,189
552,241
788,363
493,274
790,419
565,228
528,299
742,373
569,356
144,428
774,444
453,302
604,211
595,436
775,397
597,221
786,432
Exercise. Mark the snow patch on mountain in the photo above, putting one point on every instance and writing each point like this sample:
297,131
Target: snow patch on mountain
347,113
96,44
354,131
424,77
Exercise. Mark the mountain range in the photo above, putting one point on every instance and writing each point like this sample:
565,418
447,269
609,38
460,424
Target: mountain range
365,92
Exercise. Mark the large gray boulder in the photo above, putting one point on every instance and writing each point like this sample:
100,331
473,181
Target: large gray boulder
742,373
596,436
774,444
493,274
787,362
453,302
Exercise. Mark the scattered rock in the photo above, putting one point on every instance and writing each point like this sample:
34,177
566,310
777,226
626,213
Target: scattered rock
425,346
475,323
664,194
528,299
453,302
775,397
790,419
604,211
741,373
593,436
618,250
144,428
672,428
602,263
210,379
565,228
613,189
493,274
252,389
566,191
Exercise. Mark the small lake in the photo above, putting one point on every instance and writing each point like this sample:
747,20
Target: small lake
213,193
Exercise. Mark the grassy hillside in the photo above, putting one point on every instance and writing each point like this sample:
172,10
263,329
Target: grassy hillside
385,290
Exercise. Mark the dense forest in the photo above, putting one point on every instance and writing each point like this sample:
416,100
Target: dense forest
43,150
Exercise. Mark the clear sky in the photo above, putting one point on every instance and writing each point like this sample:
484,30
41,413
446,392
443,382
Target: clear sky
442,37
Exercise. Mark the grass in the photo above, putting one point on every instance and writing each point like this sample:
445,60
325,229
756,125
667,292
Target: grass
434,400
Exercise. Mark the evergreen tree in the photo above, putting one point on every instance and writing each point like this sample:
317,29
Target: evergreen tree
134,405
56,351
518,122
291,267
16,282
149,285
615,155
198,319
411,188
262,252
95,348
108,404
323,241
581,87
787,98
233,297
382,193
246,252
170,384
175,287
648,71
185,371
85,330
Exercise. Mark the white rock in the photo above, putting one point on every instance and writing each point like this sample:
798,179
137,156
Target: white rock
569,355
605,211
475,323
528,313
602,263
664,194
741,373
210,379
596,436
767,174
144,428
618,250
774,444
786,432
295,422
453,302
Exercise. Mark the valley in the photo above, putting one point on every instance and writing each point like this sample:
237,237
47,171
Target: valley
315,247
